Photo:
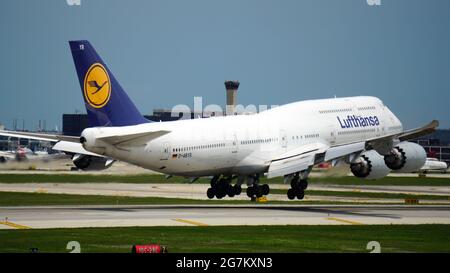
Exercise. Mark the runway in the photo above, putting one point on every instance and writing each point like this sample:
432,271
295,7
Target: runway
198,191
212,215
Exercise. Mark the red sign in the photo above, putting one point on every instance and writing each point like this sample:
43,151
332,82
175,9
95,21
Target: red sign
153,248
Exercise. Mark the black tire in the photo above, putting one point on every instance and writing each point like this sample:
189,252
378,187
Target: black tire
300,195
258,191
237,189
230,191
265,189
291,194
220,193
210,193
250,192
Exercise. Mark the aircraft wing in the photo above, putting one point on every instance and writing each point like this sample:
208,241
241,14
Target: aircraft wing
296,160
39,136
68,144
410,134
418,132
306,156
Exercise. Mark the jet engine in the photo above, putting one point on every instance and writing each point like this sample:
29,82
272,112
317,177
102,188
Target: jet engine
91,163
406,157
370,165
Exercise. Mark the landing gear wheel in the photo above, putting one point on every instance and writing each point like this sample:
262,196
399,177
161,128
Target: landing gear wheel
258,191
250,192
291,194
220,193
210,193
230,191
237,189
265,189
298,187
300,195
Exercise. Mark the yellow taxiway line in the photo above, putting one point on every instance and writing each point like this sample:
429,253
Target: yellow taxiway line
191,222
344,221
14,225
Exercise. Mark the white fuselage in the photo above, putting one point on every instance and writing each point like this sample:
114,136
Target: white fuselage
245,144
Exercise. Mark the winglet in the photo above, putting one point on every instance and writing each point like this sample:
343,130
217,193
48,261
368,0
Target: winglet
423,131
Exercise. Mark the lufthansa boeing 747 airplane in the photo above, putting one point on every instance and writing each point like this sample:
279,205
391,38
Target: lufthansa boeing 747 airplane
285,141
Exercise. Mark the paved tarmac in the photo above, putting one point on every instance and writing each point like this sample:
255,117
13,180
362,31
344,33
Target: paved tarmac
211,215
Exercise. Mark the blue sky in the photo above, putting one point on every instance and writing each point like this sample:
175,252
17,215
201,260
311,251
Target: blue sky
166,52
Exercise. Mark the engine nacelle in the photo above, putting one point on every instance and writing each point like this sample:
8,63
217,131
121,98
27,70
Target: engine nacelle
370,165
406,157
91,163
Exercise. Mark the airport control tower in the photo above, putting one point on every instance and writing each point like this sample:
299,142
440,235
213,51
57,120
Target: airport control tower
232,88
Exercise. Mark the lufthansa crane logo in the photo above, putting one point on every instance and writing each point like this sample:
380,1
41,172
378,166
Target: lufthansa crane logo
97,86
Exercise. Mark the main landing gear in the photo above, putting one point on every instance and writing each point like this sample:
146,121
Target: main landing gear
254,190
221,187
298,187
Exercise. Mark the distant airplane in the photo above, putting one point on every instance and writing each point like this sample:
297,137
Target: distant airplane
433,165
22,153
281,142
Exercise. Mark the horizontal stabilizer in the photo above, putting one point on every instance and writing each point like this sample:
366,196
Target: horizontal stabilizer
72,147
134,139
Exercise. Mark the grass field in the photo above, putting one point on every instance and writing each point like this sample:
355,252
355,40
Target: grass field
393,238
47,199
367,194
148,178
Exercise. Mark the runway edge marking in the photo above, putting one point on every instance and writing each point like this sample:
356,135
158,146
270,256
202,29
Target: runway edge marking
190,222
14,225
344,221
